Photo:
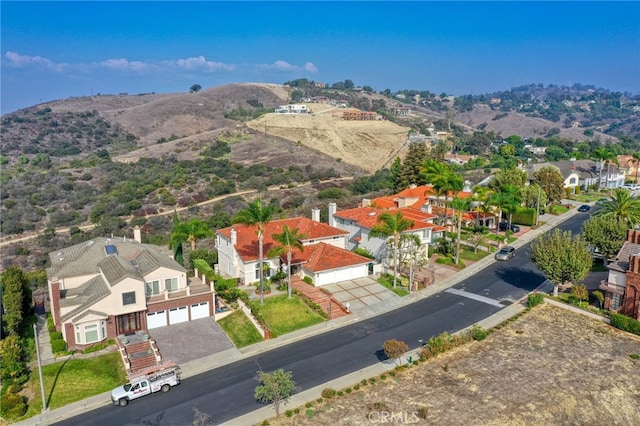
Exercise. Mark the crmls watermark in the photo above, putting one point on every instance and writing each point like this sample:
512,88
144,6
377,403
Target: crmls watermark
393,417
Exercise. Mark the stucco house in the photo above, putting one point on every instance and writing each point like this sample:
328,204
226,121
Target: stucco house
622,286
324,257
583,174
108,287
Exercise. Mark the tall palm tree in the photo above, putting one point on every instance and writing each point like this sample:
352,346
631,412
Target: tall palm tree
289,239
189,232
622,206
508,199
391,225
443,179
257,214
603,156
461,205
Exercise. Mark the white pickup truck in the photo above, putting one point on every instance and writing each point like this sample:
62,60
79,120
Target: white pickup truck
145,384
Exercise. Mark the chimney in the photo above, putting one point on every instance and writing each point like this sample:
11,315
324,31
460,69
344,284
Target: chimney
426,208
413,186
234,238
332,210
137,234
315,215
366,202
633,236
55,303
634,264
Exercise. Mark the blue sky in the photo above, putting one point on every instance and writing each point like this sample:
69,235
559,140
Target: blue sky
53,50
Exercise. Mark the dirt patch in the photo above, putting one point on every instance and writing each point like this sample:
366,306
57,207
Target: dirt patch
548,367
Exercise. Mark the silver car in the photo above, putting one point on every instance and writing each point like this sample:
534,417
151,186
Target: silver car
506,253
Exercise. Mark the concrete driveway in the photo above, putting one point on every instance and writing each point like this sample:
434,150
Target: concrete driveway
190,340
360,293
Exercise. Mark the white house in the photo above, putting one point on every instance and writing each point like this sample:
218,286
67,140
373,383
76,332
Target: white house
292,109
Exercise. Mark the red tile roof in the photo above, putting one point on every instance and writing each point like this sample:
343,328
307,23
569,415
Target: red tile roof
325,257
367,217
247,239
421,194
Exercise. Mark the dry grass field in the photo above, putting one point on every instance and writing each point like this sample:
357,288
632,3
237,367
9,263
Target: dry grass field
549,367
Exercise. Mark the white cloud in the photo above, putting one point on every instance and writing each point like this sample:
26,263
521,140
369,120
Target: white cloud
200,62
122,64
287,67
23,61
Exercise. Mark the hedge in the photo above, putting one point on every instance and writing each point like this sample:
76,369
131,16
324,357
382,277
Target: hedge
204,268
625,323
525,216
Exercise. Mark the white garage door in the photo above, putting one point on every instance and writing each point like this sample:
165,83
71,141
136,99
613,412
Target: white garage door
200,310
177,315
156,319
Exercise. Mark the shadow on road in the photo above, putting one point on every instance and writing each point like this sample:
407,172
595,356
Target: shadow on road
520,277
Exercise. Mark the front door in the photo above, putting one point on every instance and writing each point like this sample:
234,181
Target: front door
129,323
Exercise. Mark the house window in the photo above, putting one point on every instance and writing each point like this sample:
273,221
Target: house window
266,270
171,284
90,333
616,301
129,298
152,287
572,181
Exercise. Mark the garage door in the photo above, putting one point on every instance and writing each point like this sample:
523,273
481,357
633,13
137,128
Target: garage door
200,310
177,315
156,319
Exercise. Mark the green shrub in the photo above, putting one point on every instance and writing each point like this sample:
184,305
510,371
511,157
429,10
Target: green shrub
534,299
288,413
310,413
442,343
308,280
348,390
56,335
328,393
478,333
58,346
356,387
296,410
95,348
634,356
625,323
12,405
50,325
340,393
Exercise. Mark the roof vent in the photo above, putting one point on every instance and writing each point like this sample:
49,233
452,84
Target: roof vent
90,243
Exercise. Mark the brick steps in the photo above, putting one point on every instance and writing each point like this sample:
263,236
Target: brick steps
143,362
330,306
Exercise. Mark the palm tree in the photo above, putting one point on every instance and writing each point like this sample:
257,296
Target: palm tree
636,162
258,214
459,204
603,156
622,206
289,239
443,180
189,232
391,225
508,199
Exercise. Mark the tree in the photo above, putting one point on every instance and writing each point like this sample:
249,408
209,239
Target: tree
605,235
413,254
289,240
443,179
551,181
622,207
13,282
555,153
533,195
635,161
257,214
562,257
195,88
394,349
275,388
507,199
460,205
391,225
190,232
508,176
603,156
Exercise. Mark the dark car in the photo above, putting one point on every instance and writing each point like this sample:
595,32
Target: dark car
503,226
506,253
584,208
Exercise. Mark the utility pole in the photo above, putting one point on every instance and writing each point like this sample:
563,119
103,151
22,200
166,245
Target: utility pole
538,208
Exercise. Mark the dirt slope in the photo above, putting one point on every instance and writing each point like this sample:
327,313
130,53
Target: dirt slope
367,144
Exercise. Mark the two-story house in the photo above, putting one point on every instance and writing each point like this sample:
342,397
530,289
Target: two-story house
107,287
622,287
324,257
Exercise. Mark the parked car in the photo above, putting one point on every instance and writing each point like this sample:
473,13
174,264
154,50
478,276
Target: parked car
505,253
631,187
584,208
503,226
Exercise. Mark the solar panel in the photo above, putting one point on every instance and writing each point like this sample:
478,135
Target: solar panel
110,249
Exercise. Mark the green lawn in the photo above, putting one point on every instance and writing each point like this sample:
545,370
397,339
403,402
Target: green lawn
240,329
283,315
468,254
387,281
76,379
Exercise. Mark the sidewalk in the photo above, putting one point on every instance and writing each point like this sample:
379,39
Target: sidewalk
202,365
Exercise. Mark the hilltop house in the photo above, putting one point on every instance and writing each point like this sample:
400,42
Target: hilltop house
622,287
292,109
108,287
324,257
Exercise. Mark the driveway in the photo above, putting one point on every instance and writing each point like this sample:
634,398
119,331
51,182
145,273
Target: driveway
360,293
190,340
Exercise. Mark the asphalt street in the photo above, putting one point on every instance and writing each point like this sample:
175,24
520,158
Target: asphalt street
227,392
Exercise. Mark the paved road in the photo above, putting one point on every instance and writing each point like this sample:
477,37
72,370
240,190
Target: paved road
227,392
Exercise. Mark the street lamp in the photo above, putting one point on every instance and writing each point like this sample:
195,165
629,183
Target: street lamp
44,399
538,208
